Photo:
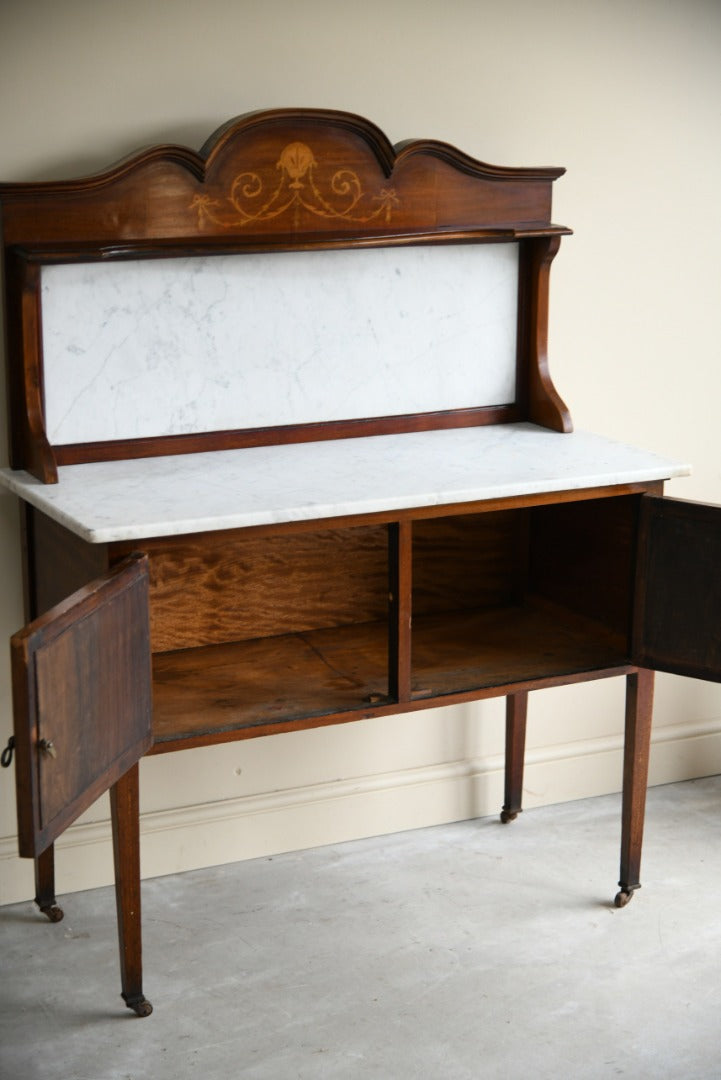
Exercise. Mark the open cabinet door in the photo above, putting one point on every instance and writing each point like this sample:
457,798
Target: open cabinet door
83,712
677,624
82,701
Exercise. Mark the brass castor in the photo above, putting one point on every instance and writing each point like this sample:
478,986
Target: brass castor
53,912
140,1005
508,815
622,898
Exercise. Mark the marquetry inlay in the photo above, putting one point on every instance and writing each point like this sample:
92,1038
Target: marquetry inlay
300,186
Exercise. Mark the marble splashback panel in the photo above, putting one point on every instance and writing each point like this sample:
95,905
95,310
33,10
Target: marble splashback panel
175,346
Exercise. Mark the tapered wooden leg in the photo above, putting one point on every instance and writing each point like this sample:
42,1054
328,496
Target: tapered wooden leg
637,744
125,811
45,885
516,711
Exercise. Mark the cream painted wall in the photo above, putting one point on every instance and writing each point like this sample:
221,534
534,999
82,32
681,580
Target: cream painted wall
628,98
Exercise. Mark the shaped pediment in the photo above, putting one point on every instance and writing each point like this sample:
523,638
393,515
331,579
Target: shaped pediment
304,172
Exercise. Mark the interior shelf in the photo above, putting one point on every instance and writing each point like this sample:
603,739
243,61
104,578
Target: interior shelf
249,684
342,621
469,650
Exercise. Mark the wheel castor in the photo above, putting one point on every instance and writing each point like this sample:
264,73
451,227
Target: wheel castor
53,912
140,1005
622,898
508,815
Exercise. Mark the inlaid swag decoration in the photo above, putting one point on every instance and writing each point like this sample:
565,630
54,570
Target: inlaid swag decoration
301,186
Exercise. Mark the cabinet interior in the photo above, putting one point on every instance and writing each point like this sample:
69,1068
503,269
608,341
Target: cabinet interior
521,595
250,630
254,629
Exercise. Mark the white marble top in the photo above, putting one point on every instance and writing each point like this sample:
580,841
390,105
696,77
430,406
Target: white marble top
128,500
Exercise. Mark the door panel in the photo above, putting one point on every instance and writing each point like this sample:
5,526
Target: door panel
677,624
82,701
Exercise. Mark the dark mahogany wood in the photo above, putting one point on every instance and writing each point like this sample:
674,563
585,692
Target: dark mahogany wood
254,684
221,587
679,588
45,884
469,561
168,738
125,815
516,717
74,454
313,172
538,397
583,557
62,563
285,179
24,368
637,741
400,581
520,643
82,706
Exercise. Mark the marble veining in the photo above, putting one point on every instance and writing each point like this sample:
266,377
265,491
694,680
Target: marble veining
132,499
176,346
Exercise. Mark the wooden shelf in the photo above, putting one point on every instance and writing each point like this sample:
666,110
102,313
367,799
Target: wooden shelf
250,684
468,650
293,677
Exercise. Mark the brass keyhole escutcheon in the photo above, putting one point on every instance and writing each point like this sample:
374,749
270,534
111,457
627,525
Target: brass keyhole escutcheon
47,747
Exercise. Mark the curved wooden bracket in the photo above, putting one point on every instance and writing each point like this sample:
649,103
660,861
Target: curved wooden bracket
30,448
543,403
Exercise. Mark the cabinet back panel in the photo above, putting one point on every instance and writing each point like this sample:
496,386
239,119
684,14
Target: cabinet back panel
215,590
582,557
469,561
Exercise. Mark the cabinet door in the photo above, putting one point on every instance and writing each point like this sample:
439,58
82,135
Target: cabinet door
82,701
677,625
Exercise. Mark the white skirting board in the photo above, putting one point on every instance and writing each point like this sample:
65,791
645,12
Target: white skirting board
261,825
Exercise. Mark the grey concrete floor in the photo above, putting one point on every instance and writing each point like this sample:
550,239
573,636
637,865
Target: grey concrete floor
473,950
